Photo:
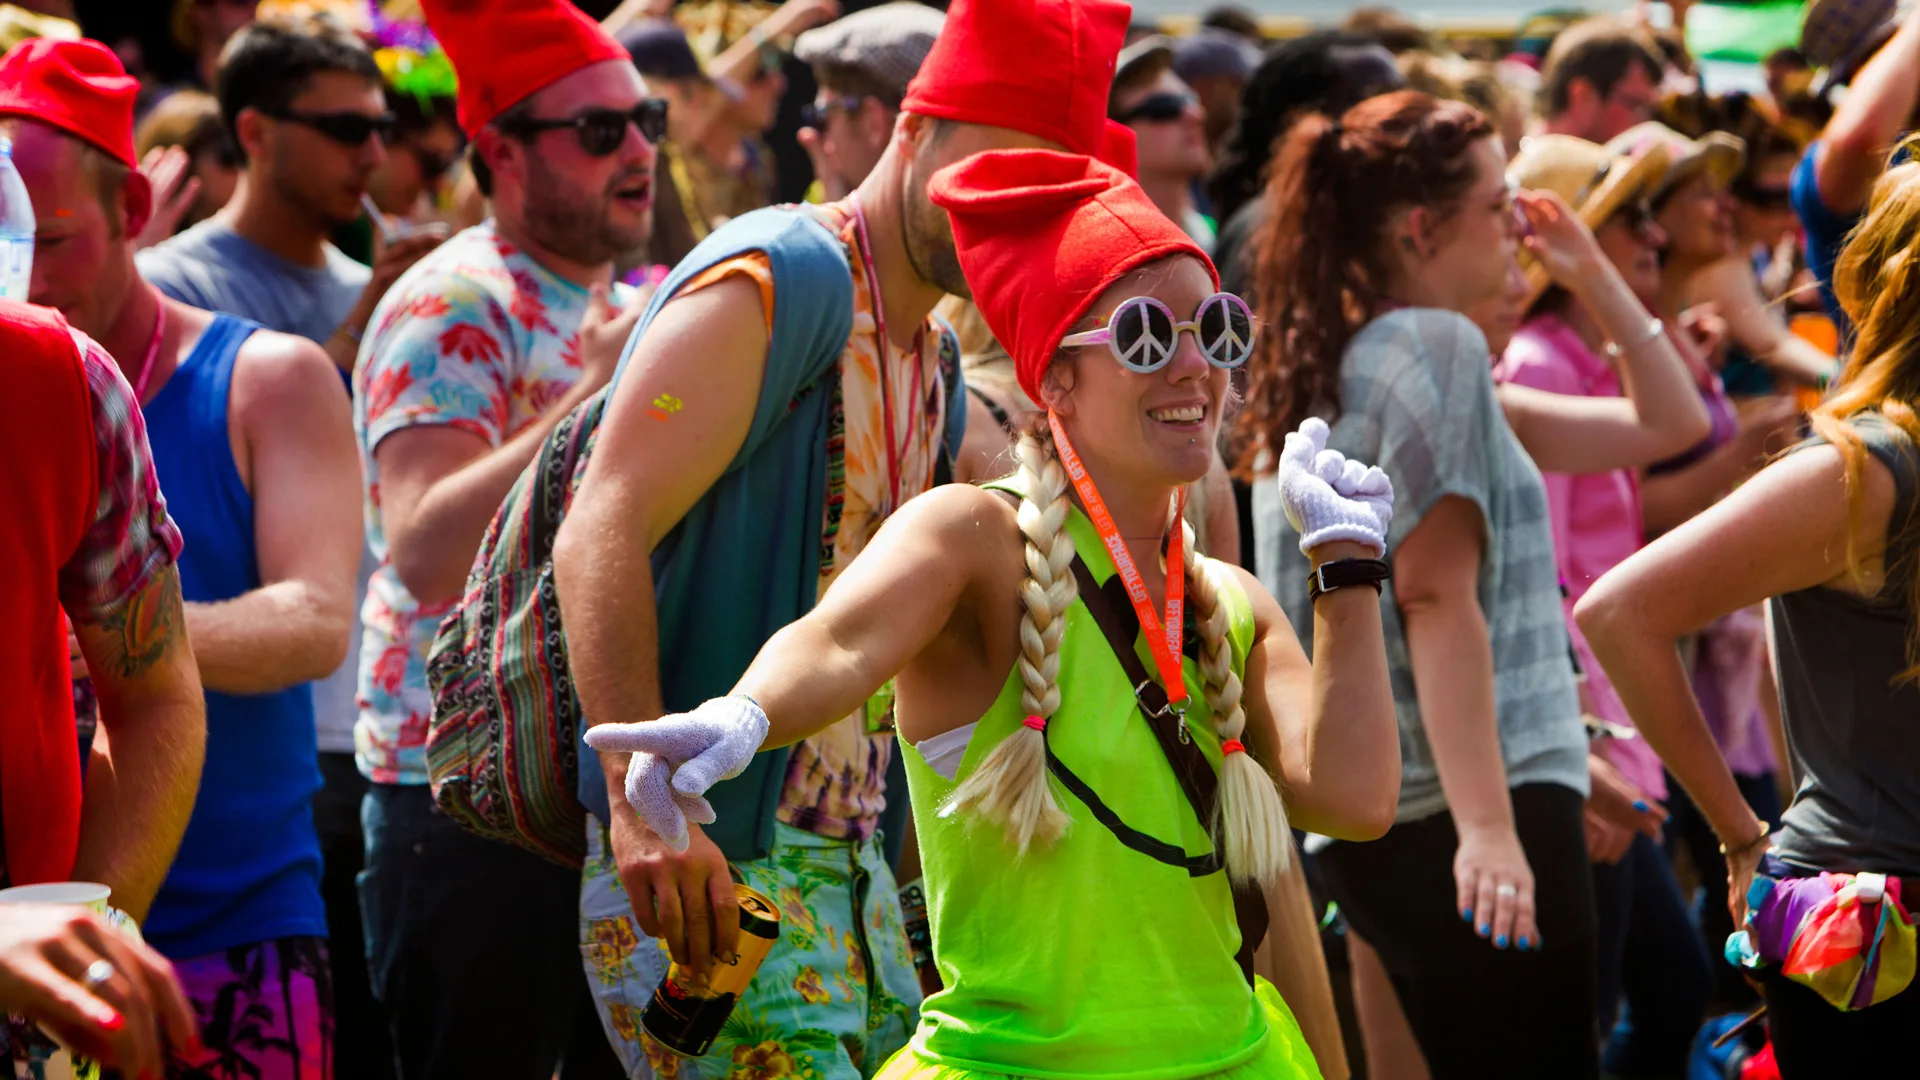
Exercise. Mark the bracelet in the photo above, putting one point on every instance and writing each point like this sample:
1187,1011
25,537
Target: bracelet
1341,573
1765,835
348,332
1654,329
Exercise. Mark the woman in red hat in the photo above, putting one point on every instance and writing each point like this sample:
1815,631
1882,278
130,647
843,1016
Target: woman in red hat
1093,762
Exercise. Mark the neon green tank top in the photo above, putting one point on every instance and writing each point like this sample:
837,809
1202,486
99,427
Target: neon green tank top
1086,958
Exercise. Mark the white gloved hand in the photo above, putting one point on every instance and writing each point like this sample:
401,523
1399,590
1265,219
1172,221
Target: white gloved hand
1326,497
677,758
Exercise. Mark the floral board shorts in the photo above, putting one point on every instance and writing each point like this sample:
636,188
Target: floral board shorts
834,1000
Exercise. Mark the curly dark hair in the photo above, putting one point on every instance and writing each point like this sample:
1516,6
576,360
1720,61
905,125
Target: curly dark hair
1318,256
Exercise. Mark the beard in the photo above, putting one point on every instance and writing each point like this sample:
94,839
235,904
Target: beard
928,234
579,224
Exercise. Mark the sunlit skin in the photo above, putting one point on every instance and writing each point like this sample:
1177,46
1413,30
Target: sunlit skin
1499,316
74,268
1176,147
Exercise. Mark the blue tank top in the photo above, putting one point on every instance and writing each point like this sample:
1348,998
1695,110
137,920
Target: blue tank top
249,866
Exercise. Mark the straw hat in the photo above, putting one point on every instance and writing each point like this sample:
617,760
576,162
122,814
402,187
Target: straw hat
1595,181
1717,153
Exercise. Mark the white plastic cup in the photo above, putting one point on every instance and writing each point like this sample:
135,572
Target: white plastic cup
87,894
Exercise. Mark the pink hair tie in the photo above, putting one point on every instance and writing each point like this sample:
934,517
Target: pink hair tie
1036,723
1232,746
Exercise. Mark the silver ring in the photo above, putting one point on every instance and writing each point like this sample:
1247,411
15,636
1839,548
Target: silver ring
98,974
1507,890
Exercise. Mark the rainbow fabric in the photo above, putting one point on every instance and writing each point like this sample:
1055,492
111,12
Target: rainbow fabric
1845,936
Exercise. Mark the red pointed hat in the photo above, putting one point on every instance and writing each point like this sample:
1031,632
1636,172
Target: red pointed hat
1038,66
1041,235
504,50
76,86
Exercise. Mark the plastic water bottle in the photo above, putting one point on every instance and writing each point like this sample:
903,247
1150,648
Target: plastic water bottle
16,229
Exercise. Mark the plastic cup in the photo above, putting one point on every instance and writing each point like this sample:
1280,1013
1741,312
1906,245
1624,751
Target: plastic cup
87,894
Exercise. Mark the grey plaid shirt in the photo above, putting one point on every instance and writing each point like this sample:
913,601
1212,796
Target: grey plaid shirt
1416,390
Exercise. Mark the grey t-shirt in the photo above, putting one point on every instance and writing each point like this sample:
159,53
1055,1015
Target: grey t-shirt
210,266
1416,388
1850,719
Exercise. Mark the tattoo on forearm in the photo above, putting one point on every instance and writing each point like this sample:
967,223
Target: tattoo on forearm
140,631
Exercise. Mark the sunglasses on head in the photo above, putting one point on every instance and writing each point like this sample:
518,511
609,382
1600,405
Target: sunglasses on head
1143,333
814,113
601,131
1160,107
345,128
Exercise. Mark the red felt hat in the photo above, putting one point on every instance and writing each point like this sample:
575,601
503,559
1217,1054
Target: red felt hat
1038,66
504,50
1041,235
76,86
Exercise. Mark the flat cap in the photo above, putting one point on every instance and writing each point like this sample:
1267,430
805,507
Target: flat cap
887,43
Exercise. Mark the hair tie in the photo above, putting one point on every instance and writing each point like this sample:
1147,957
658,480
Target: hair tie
1232,746
1036,723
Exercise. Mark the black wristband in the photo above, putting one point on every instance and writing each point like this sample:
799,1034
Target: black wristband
1341,573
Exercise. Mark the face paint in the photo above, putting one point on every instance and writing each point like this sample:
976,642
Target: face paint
664,406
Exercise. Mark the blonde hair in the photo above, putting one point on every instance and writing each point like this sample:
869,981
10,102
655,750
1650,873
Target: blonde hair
1012,786
1876,281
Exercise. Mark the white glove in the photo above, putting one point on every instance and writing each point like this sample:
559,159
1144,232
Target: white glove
1326,497
677,758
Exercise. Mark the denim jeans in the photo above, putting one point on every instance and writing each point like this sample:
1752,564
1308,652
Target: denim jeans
471,946
1650,954
361,1045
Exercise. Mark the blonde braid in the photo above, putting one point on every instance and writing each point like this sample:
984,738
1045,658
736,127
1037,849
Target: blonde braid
1250,821
1011,786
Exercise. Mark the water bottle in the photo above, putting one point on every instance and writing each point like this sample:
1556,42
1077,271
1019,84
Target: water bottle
16,229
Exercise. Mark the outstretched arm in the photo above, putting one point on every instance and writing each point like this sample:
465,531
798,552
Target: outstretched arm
144,774
1879,105
1784,530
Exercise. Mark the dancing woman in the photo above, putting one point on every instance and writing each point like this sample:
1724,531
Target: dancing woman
1081,838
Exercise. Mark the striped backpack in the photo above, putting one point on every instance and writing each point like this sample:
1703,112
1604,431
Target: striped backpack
503,746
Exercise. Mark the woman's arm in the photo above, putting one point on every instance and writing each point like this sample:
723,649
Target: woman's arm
1670,498
1757,326
1661,415
1437,575
927,566
1782,531
1327,726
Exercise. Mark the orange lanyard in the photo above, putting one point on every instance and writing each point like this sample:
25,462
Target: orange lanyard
1163,642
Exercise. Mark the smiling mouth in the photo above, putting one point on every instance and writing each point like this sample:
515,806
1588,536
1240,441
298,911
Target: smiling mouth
1178,414
639,191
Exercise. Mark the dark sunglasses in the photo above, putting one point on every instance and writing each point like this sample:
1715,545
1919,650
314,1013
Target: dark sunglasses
1766,198
1638,217
601,131
814,113
345,128
1160,108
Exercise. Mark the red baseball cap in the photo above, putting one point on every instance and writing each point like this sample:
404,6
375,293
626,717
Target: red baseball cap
76,86
1039,66
504,50
1041,235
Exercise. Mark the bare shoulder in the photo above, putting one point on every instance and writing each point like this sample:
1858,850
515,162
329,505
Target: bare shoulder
280,377
962,517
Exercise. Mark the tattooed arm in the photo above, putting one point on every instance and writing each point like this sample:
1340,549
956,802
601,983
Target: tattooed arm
146,760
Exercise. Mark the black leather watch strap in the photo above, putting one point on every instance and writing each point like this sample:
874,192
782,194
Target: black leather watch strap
1341,573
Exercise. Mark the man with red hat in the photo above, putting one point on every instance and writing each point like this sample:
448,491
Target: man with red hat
252,439
790,395
468,363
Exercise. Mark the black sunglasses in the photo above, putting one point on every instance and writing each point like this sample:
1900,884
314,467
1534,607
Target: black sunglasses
346,128
814,113
1639,218
1160,107
601,131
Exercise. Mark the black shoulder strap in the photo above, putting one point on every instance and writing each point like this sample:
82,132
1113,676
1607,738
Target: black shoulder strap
1190,766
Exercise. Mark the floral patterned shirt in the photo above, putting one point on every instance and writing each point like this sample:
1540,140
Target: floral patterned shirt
476,336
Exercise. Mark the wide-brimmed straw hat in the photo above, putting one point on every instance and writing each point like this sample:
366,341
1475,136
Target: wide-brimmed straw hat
1716,153
1595,181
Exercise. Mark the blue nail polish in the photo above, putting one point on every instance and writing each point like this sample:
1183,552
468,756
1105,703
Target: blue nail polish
1466,915
1526,943
1485,929
1640,805
1500,942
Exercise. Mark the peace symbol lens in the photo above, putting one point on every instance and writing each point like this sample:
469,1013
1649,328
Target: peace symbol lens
1143,334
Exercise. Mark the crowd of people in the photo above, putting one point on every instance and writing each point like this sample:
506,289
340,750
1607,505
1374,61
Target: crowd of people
487,548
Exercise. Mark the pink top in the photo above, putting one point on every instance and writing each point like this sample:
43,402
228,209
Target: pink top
1596,520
